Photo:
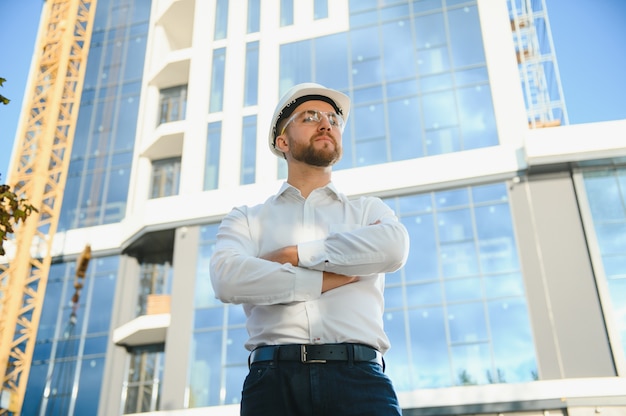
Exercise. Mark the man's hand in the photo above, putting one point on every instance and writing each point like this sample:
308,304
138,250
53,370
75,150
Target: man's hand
333,280
283,255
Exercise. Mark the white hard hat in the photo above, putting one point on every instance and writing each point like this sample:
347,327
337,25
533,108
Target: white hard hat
301,93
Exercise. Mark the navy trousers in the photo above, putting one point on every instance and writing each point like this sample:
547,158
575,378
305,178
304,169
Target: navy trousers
344,388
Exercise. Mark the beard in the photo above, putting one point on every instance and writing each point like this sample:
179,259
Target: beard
309,154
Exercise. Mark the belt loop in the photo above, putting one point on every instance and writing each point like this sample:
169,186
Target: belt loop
350,350
275,357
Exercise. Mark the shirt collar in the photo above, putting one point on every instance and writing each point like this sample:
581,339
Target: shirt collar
287,188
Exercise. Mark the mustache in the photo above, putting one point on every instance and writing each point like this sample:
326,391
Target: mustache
325,134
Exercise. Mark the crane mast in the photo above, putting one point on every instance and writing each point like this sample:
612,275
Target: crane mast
39,173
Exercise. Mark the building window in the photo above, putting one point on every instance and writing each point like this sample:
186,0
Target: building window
402,64
172,104
212,156
145,372
69,357
218,362
320,9
606,198
165,177
254,16
216,98
448,311
154,279
251,83
286,12
221,19
248,151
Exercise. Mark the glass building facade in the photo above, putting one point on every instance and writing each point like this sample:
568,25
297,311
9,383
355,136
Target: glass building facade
172,132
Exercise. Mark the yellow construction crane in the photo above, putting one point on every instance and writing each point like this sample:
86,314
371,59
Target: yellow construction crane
39,173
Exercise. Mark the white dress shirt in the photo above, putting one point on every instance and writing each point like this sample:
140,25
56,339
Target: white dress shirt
284,303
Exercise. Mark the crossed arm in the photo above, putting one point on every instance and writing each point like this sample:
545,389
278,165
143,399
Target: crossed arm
289,255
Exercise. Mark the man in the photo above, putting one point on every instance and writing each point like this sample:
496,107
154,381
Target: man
308,266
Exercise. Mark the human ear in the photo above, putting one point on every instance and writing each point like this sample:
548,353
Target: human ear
281,143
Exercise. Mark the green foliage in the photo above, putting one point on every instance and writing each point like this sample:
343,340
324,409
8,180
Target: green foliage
4,100
12,211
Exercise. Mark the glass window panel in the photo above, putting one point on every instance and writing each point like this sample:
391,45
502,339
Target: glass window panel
455,225
100,305
471,364
212,156
487,193
364,44
604,196
216,99
295,64
513,346
236,315
611,238
394,12
467,322
430,30
433,60
96,345
471,76
443,141
373,93
232,387
366,72
394,297
400,60
426,5
502,285
458,259
221,19
429,347
372,152
404,88
439,110
208,318
424,294
34,393
251,84
452,198
436,82
363,19
286,12
397,357
254,16
332,61
248,150
88,397
478,124
320,9
463,289
405,130
359,5
415,203
205,369
422,262
235,353
466,42
615,266
371,122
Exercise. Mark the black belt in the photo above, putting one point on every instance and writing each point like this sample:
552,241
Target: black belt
309,354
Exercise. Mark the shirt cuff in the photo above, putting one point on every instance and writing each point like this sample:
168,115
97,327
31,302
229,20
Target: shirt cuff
311,253
308,285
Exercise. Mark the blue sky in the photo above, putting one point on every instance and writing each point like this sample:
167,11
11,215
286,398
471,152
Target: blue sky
588,40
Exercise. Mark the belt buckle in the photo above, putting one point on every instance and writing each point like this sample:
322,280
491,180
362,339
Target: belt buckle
303,356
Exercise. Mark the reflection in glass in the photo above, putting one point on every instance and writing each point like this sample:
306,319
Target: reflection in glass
606,201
